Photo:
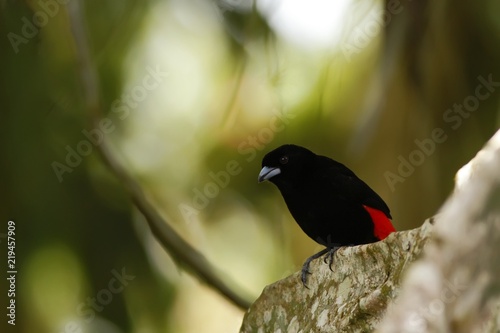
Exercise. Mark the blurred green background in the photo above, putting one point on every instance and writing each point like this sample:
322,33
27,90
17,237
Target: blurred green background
404,93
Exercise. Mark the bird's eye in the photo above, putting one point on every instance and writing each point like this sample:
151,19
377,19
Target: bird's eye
284,159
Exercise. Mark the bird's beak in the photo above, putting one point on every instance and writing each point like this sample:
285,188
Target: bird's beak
267,173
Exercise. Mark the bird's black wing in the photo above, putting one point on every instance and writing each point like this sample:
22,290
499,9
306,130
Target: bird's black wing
350,186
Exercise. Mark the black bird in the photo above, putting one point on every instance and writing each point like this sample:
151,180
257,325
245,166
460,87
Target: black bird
329,202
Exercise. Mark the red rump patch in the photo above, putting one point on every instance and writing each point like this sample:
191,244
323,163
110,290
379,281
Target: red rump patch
382,226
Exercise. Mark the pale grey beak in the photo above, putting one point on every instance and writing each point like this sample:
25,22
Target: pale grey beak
266,173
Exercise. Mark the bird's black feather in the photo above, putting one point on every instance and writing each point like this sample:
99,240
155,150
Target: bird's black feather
326,198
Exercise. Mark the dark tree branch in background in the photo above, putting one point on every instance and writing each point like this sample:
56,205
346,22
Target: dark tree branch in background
183,253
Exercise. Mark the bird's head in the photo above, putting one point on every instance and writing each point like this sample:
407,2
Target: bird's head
285,163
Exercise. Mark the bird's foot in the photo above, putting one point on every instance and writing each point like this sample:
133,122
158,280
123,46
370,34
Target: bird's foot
305,267
329,255
329,251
